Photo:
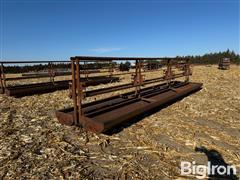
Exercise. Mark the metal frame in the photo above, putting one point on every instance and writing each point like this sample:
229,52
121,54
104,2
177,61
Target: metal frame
51,73
78,93
224,64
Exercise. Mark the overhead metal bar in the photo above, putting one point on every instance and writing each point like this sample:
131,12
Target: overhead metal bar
100,58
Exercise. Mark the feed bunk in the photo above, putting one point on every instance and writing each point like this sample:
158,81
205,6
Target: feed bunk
224,64
43,87
101,115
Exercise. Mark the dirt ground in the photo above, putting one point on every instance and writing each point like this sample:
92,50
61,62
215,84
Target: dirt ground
33,145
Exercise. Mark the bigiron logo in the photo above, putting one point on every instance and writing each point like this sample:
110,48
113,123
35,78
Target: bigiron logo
209,170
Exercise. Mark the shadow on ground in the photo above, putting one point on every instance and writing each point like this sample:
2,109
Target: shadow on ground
216,159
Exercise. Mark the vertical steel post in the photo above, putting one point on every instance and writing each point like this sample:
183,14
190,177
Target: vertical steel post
138,77
169,72
53,73
49,71
85,71
187,71
73,65
110,69
3,78
79,93
135,82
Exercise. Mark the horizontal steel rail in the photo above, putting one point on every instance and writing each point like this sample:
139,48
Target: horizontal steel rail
127,86
100,58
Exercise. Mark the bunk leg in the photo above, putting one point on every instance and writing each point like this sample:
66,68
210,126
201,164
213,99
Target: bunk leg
74,96
168,73
1,82
79,95
187,71
138,78
3,79
110,68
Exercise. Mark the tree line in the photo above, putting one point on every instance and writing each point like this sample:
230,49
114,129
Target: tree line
213,58
55,66
209,58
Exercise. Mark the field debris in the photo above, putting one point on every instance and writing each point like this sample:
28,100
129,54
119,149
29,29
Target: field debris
34,145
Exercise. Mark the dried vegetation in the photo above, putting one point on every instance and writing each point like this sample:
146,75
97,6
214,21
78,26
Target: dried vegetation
34,145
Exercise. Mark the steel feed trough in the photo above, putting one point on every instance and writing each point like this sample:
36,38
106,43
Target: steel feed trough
50,71
142,96
224,64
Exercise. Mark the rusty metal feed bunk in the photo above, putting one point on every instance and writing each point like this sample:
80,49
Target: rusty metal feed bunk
224,64
50,72
101,115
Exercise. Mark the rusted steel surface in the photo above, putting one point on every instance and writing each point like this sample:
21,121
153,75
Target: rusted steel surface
44,75
126,86
100,58
40,88
47,74
112,117
101,115
224,64
48,69
19,65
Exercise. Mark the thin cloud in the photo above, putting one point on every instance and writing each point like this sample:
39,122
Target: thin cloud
106,50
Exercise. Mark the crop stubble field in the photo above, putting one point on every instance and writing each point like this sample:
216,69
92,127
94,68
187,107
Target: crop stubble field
34,145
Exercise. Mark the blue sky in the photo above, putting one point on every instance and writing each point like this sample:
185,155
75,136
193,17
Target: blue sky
58,29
